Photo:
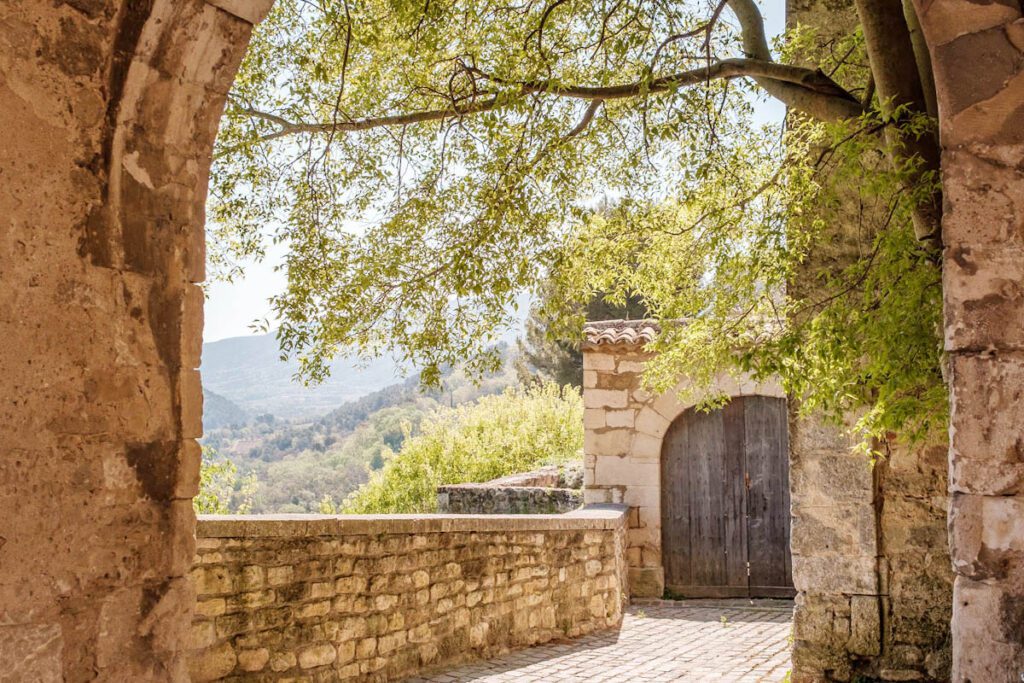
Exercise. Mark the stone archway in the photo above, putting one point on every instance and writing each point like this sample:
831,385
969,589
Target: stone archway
111,111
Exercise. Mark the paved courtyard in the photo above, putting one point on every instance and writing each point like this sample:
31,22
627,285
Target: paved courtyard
660,641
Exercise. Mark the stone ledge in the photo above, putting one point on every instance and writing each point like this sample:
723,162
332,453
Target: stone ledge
592,517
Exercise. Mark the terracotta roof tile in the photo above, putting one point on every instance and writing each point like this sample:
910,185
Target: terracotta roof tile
620,332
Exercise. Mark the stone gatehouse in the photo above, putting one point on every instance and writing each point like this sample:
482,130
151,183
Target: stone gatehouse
629,439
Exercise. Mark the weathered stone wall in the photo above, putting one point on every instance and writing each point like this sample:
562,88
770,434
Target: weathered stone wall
485,499
382,598
915,577
109,111
624,426
870,559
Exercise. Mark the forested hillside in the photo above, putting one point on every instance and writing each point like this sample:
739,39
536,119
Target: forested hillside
299,461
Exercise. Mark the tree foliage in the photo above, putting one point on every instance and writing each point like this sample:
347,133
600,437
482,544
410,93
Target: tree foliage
550,354
221,490
425,162
499,435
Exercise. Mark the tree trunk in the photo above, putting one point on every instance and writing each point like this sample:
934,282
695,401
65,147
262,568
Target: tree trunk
895,68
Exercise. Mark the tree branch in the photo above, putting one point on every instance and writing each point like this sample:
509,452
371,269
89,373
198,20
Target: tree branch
814,103
831,101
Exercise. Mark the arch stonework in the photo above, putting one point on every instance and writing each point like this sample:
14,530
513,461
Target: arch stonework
110,111
977,49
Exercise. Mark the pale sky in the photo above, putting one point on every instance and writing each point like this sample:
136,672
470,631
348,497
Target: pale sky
231,308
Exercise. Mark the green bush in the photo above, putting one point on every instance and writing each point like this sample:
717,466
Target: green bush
222,490
515,431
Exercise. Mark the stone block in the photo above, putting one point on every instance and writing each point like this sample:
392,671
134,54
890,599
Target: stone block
598,360
986,411
625,471
605,398
642,496
983,288
192,326
652,423
629,365
996,221
835,574
594,418
669,405
646,448
191,404
821,478
865,625
321,654
186,483
986,535
212,664
609,442
987,628
253,660
839,528
620,418
646,582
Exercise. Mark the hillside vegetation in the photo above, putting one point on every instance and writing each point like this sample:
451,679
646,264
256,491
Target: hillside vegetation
515,431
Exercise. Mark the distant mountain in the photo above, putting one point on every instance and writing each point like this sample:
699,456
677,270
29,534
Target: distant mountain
219,411
248,372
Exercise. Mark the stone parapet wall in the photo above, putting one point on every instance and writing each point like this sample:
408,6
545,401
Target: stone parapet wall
385,597
485,499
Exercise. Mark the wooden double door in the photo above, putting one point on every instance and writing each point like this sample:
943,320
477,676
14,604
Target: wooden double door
725,501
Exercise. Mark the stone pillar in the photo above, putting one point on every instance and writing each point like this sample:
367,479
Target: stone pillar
977,50
109,111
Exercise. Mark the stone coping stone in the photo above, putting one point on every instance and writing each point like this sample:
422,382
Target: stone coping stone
592,517
487,486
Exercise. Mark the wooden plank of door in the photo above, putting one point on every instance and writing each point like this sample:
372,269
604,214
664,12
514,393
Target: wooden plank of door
734,494
706,446
768,514
675,501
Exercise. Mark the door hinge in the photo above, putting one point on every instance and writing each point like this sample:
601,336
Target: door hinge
748,569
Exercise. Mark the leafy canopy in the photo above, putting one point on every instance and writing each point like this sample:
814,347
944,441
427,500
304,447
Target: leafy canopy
426,161
222,490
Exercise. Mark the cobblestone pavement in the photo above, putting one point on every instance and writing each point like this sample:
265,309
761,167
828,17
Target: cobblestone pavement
659,641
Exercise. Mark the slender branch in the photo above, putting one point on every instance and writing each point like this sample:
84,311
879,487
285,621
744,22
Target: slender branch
588,116
814,82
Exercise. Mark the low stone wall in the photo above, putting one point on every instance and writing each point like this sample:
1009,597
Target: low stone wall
549,490
385,597
487,499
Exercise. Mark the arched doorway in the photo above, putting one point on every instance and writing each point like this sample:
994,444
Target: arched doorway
725,501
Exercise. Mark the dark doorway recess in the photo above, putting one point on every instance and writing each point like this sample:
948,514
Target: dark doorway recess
725,501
